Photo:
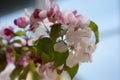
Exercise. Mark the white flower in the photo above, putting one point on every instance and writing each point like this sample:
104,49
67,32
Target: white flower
81,46
83,21
76,36
40,31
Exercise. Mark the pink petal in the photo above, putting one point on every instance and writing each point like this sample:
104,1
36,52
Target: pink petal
48,4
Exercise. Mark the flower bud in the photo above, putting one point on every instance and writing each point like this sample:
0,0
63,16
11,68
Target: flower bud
21,22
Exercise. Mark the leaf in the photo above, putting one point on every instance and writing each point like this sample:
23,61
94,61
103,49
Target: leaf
3,60
20,33
24,74
59,71
55,31
94,28
60,58
16,72
31,65
45,57
45,48
16,41
36,76
72,71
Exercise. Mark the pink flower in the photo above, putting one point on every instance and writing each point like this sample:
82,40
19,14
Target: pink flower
8,30
23,61
39,15
48,72
34,26
10,49
53,11
70,18
21,22
73,20
36,13
10,58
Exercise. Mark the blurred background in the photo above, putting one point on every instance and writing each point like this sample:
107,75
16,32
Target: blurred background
106,58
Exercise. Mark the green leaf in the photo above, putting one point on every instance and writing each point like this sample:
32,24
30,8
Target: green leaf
36,76
45,48
20,33
31,65
45,57
24,74
16,72
3,60
59,71
16,41
72,71
60,58
94,28
55,31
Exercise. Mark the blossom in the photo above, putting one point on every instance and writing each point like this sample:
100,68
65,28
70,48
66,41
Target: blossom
53,11
23,61
51,41
81,47
10,49
21,22
73,20
40,14
48,72
8,32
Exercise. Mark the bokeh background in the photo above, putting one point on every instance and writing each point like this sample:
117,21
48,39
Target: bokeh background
106,58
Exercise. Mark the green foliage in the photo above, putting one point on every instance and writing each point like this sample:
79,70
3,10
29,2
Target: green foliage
45,49
60,58
24,73
55,32
16,41
16,72
36,75
20,33
72,71
94,28
3,60
34,72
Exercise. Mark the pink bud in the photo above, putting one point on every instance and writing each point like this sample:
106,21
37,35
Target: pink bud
10,59
21,22
34,26
36,13
10,49
8,31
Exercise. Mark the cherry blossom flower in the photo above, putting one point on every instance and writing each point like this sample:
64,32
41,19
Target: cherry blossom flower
73,20
48,72
53,11
10,49
21,22
8,32
66,35
81,47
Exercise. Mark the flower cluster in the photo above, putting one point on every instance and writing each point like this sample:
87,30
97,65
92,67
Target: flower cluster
48,43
